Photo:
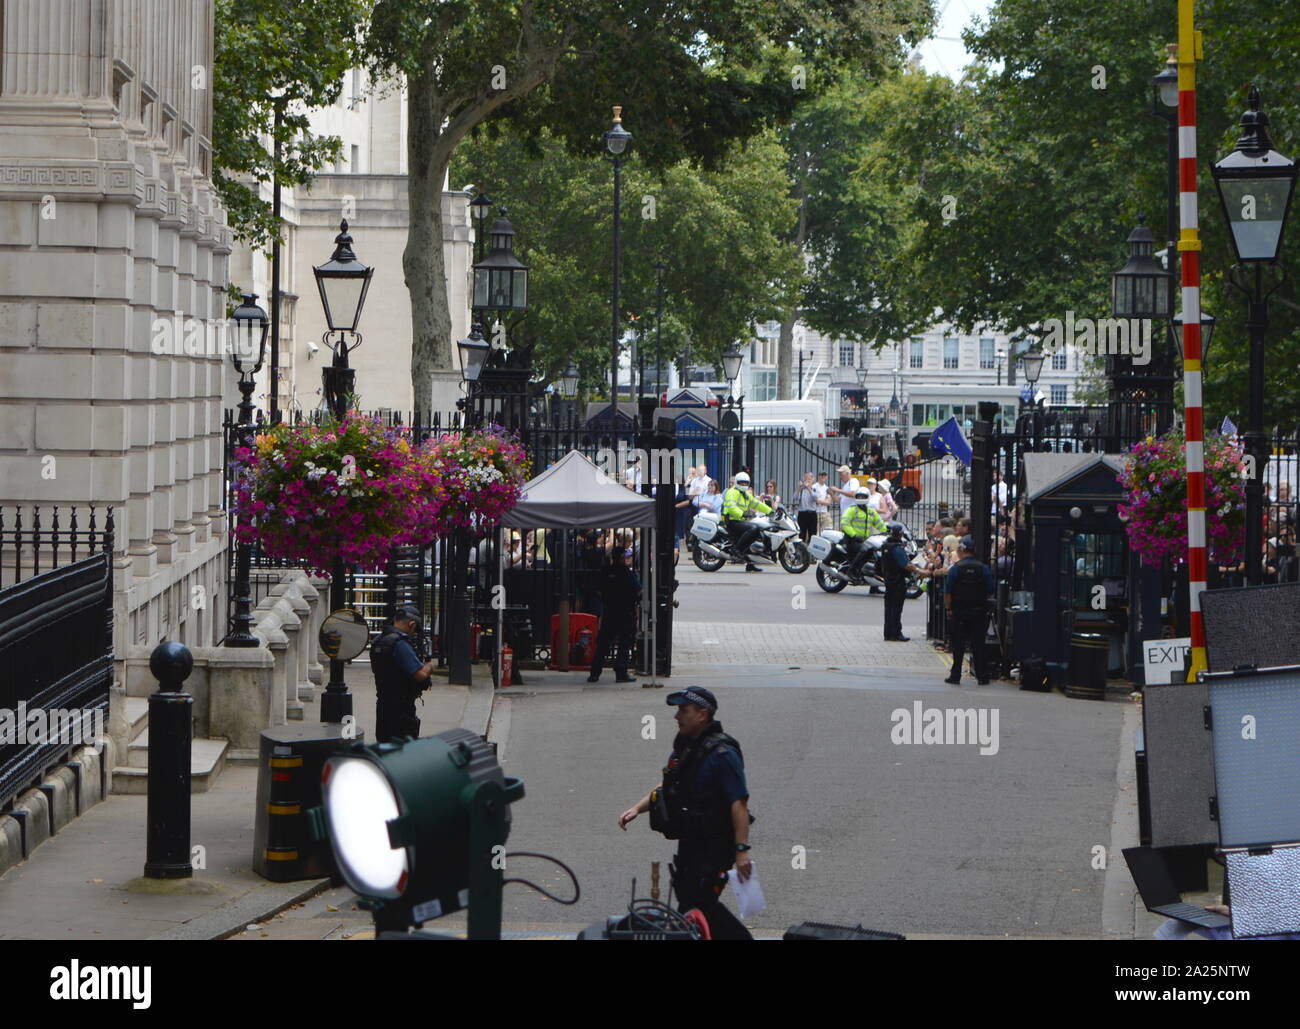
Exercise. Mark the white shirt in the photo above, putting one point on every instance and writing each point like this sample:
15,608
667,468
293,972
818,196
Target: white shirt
851,488
697,485
632,477
820,492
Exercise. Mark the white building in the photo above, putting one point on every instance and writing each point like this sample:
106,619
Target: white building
108,227
940,355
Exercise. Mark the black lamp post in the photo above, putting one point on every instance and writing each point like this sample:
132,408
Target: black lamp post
1256,185
1164,105
480,207
501,286
1142,290
1032,361
734,418
343,282
660,268
617,140
569,388
249,327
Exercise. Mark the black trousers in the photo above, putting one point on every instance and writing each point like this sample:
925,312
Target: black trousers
968,629
895,594
744,533
614,644
807,525
857,550
395,716
699,877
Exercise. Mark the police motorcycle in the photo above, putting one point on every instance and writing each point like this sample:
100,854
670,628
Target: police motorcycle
831,553
712,546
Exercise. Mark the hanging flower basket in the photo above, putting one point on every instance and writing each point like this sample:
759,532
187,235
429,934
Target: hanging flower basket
1156,507
355,489
479,476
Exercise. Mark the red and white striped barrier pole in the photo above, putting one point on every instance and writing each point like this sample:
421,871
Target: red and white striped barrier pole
1189,248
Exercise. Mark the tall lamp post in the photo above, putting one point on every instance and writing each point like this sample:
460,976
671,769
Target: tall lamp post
660,268
569,389
343,282
1033,364
250,326
734,419
1141,291
617,140
1256,185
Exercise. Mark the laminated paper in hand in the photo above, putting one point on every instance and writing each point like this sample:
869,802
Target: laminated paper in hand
749,894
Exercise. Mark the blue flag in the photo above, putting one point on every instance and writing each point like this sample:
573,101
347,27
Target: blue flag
948,439
1227,428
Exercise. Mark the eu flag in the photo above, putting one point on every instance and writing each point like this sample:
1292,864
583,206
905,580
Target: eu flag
948,439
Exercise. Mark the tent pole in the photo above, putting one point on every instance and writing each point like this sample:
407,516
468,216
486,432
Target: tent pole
654,620
501,616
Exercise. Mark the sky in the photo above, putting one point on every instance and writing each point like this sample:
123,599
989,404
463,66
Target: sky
943,53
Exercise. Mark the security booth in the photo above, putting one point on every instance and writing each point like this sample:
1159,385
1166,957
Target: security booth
1079,572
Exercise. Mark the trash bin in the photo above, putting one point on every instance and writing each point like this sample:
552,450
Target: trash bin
289,764
1089,656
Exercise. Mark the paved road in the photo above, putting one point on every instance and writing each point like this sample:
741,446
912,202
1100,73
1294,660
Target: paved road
928,839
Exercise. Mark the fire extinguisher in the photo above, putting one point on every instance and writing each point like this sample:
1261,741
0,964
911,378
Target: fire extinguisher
507,664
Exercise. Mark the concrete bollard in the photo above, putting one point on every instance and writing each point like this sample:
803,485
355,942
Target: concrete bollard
167,845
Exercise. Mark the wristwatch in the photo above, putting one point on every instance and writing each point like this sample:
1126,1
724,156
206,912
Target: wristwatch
742,847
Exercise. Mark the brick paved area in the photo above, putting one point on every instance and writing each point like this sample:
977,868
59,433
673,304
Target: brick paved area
807,646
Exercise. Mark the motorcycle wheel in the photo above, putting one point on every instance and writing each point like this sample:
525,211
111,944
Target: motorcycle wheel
913,589
706,562
795,557
828,583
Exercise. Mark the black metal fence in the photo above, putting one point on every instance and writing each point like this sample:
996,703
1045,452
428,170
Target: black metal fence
56,638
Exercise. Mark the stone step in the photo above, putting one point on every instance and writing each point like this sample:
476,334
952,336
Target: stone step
207,759
137,715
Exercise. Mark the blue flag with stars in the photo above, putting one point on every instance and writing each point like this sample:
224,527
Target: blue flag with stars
948,439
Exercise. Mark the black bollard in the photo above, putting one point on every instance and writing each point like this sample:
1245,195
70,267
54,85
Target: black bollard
167,854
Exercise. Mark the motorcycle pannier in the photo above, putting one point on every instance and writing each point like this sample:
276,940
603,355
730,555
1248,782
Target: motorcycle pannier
820,548
704,528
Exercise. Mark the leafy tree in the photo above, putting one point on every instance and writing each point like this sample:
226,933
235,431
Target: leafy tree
692,78
274,61
721,236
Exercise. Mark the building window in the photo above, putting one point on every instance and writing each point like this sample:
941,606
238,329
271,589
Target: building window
987,358
1059,393
916,357
847,357
1060,360
950,350
764,385
356,159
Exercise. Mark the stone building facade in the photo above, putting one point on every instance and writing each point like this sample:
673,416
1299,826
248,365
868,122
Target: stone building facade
110,234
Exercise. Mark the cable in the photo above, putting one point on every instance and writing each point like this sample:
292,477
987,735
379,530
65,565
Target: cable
577,890
658,917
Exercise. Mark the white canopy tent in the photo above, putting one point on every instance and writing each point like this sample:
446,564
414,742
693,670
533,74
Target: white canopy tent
576,494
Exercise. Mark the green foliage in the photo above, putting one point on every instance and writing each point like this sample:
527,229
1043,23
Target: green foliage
286,55
722,236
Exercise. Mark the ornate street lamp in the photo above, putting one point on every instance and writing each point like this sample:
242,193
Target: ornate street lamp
1256,185
343,282
617,140
474,350
501,279
1142,288
248,330
862,376
480,207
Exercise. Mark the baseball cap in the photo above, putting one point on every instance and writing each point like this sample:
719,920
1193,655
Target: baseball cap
845,468
967,543
409,611
695,695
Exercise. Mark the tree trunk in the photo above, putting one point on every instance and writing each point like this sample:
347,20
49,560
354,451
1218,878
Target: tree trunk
422,261
785,356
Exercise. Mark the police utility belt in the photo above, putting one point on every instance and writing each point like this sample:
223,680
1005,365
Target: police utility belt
678,815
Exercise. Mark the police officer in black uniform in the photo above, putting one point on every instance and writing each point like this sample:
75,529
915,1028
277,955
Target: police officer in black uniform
703,803
895,562
620,590
966,597
399,676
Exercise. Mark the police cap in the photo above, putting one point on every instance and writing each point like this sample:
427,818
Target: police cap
695,695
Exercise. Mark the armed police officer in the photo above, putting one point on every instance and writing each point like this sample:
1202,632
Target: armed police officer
399,676
966,598
860,521
737,505
895,563
703,803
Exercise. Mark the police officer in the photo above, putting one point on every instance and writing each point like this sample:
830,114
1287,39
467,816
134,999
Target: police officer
860,521
737,503
620,589
399,676
967,591
895,563
703,803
